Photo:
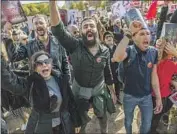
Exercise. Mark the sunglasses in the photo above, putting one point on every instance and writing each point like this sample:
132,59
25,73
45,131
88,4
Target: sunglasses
41,62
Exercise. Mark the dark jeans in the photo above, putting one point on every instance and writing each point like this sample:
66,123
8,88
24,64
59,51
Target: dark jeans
146,109
167,104
103,125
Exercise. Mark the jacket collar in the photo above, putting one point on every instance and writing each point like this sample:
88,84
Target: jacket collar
139,51
53,42
102,47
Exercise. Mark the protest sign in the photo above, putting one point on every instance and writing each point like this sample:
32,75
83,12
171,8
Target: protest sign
169,32
134,14
72,17
12,11
173,98
79,18
120,8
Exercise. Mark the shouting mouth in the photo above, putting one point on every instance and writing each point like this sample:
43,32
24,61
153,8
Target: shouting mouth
45,71
90,36
146,43
40,30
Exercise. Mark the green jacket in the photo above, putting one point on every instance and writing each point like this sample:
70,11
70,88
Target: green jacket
101,99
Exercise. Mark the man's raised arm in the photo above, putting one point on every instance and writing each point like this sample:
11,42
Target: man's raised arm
54,14
59,31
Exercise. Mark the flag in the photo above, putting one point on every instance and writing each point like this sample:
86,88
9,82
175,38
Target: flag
152,10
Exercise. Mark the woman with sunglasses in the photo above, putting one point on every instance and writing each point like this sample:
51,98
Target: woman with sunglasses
166,69
49,94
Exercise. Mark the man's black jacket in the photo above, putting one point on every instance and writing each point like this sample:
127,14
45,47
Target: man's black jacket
88,70
56,51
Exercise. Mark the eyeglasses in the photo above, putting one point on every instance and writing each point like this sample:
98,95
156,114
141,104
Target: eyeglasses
41,62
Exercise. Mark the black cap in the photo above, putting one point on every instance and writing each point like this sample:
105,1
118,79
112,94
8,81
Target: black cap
107,33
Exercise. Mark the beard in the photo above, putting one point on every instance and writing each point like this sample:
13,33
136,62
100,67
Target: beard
90,43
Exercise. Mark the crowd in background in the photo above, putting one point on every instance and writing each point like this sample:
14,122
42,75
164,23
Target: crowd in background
22,55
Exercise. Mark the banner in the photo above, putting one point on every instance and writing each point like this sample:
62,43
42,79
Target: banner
120,8
152,11
134,14
72,17
169,32
79,18
12,11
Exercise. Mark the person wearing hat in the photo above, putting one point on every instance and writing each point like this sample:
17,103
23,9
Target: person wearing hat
140,74
108,38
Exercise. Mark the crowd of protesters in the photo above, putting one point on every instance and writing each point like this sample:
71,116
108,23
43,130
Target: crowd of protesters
58,73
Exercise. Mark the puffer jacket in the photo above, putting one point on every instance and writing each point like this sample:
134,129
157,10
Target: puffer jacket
40,122
56,51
